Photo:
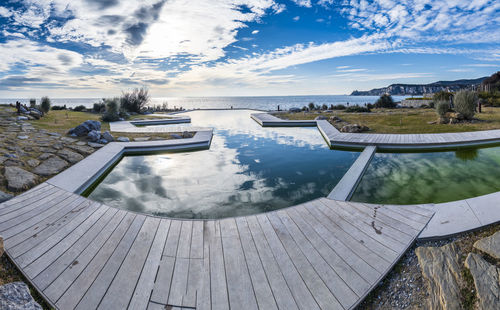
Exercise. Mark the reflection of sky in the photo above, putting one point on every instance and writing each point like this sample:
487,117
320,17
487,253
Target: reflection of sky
430,177
248,169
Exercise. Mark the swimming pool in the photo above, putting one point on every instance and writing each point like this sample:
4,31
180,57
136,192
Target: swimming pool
430,177
248,169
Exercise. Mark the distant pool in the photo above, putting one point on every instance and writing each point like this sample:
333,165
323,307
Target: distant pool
248,169
412,178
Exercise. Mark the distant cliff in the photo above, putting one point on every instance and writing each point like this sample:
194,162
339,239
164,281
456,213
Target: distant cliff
420,89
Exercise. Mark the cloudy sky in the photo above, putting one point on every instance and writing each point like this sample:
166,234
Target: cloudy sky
95,48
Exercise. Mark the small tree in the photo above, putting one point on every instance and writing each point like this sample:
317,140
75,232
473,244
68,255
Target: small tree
311,106
135,100
45,104
442,107
465,103
112,110
385,101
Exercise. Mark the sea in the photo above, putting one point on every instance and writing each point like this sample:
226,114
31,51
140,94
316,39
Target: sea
259,103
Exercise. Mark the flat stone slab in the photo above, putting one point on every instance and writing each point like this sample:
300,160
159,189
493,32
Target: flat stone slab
16,296
51,166
70,156
19,179
486,280
490,245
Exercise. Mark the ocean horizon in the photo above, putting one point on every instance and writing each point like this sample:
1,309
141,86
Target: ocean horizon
250,102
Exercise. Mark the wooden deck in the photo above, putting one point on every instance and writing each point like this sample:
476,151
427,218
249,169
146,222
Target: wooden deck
324,254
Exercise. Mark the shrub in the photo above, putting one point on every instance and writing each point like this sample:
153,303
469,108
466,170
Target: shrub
311,106
442,96
135,100
370,106
385,101
432,104
442,107
357,109
338,107
112,110
45,105
79,108
465,103
324,107
99,107
58,107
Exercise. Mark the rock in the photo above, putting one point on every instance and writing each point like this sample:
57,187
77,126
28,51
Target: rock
176,136
82,149
186,134
490,245
102,141
33,162
13,162
320,118
45,156
335,119
140,139
19,179
107,135
4,197
486,280
94,135
54,134
2,250
294,110
81,143
95,145
68,140
84,128
354,128
51,166
70,156
22,137
16,296
439,265
123,139
22,118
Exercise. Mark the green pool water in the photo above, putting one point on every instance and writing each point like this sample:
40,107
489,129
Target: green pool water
411,178
248,169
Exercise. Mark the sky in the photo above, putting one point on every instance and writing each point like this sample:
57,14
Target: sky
99,48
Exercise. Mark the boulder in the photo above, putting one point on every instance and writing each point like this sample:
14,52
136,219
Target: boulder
84,128
51,166
22,118
107,136
186,134
335,119
102,141
440,267
123,139
490,245
354,128
320,118
19,179
70,156
486,280
16,296
176,136
4,197
94,135
294,110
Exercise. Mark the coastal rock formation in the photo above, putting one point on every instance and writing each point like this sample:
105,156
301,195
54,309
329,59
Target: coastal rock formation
486,280
440,267
19,179
16,296
490,245
51,166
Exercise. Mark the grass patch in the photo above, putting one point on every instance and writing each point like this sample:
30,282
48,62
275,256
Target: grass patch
407,120
467,292
64,120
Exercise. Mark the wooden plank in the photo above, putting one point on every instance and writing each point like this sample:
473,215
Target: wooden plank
261,287
87,290
35,252
203,295
33,194
300,291
366,239
195,276
415,219
103,245
197,240
310,265
239,284
46,276
350,252
218,283
184,247
172,239
145,284
124,283
178,286
44,260
415,226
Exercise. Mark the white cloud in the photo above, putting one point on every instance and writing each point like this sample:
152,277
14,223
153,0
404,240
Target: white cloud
296,18
4,12
304,3
255,31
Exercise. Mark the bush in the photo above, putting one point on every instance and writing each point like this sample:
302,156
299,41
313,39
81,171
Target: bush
311,106
370,106
79,108
135,100
442,107
99,107
338,107
45,105
324,107
357,109
58,107
432,105
442,96
465,103
385,101
112,110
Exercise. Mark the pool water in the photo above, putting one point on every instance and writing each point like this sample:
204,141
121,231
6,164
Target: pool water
411,178
248,169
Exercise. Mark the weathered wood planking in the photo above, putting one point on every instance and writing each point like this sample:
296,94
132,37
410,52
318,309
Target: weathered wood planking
324,254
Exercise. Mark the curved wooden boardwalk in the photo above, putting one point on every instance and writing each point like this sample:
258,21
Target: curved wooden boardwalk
323,254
